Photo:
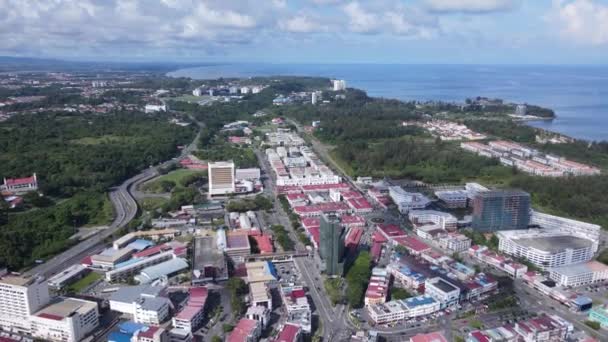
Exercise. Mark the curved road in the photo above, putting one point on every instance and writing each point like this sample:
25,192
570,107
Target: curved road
125,210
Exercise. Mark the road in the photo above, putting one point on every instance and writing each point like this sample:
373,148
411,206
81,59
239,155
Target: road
125,210
334,325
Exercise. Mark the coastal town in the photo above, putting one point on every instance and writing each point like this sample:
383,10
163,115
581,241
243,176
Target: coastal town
253,232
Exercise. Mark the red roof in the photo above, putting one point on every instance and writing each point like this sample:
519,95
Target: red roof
298,294
352,220
379,237
315,232
350,194
479,336
308,222
324,187
86,261
289,333
412,243
320,208
148,333
296,196
243,329
359,204
264,244
20,181
151,251
390,230
50,316
353,237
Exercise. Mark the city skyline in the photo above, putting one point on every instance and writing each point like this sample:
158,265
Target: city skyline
310,31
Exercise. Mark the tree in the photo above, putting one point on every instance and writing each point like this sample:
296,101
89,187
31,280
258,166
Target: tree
216,338
357,279
399,293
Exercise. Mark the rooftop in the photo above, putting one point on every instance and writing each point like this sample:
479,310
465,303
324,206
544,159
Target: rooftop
555,244
430,337
243,329
288,333
65,308
129,294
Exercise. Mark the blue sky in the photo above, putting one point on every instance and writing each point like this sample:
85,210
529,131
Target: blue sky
309,31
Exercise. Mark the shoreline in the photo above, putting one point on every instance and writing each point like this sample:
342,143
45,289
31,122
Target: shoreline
518,119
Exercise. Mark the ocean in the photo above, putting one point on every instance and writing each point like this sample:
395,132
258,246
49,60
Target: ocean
577,94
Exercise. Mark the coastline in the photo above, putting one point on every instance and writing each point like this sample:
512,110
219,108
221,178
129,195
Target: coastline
404,91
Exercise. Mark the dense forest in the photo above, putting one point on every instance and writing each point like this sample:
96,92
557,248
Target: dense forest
77,157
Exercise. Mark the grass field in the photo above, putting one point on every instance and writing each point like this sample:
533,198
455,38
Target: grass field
173,176
84,282
151,204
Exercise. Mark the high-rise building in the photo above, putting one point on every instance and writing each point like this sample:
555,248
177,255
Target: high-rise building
21,297
501,210
332,243
221,178
339,85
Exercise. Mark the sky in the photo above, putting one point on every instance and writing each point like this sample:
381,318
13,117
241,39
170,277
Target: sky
309,31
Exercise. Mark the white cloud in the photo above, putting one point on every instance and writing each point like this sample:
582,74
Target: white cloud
471,6
301,24
582,21
360,19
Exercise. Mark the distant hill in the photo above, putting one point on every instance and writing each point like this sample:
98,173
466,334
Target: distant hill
25,64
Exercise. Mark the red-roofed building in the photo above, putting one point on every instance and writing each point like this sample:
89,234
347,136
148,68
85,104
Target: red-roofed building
430,337
352,239
324,187
315,234
288,189
188,163
289,333
191,315
247,330
264,244
296,198
390,231
350,221
152,251
360,205
20,185
320,208
309,222
377,288
150,334
376,251
86,261
413,245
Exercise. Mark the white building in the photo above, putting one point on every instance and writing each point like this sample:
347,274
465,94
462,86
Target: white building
67,320
191,316
197,92
338,85
455,242
245,90
453,198
546,248
20,297
397,310
134,267
579,274
437,219
444,292
296,306
66,276
576,228
144,303
155,108
221,178
260,314
407,201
